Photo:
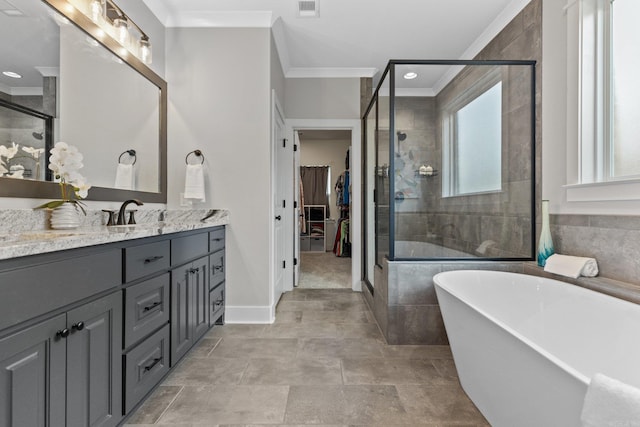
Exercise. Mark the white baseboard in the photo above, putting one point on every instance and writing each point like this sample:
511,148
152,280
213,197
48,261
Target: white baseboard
249,314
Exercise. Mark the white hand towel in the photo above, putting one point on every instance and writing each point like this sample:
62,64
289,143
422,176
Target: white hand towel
610,403
571,266
194,183
124,177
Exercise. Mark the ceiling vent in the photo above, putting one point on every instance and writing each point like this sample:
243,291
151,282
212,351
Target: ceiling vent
308,9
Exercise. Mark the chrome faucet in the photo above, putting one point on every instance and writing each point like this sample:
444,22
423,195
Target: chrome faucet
121,212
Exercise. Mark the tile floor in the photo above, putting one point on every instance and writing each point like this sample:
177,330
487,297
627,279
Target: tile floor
324,270
323,363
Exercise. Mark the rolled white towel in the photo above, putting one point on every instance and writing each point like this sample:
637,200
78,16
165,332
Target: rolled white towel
124,176
610,403
571,266
194,183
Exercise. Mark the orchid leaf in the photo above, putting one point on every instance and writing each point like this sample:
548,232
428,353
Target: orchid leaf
50,205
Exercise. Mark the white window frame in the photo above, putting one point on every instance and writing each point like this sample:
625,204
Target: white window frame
588,147
449,137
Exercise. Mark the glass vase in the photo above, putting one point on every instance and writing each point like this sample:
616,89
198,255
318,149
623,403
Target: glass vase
545,244
65,217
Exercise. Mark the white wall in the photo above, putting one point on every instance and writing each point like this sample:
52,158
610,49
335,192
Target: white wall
316,98
326,152
219,102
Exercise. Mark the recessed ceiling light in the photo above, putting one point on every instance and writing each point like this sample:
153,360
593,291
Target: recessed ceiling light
12,74
410,75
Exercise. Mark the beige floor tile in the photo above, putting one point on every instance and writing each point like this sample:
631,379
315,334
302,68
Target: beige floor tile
344,405
301,330
349,305
226,404
236,331
340,348
336,316
288,317
197,371
418,351
155,405
299,306
444,404
293,372
359,330
391,371
204,347
247,348
446,368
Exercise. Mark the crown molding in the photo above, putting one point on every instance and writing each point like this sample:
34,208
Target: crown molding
329,72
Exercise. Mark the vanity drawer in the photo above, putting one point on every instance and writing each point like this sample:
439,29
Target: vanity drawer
189,247
146,308
144,367
216,269
216,239
216,304
143,260
46,283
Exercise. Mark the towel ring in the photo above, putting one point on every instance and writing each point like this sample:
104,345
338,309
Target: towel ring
197,153
132,153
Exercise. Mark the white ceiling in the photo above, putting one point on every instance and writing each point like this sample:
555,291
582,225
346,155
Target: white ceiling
353,38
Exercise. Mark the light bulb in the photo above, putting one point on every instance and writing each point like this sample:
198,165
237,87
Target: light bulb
122,30
145,50
96,10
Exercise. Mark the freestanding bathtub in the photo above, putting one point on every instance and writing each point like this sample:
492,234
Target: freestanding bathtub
526,347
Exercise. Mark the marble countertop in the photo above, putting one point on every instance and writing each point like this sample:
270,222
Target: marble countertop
24,243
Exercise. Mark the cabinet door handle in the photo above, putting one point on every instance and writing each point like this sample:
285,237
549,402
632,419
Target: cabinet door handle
63,333
152,306
154,363
78,326
217,239
279,217
218,302
153,259
193,270
218,267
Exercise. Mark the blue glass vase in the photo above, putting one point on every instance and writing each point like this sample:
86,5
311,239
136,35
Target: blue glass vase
545,244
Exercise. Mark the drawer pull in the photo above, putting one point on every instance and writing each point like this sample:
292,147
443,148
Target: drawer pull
152,306
154,363
218,268
217,239
62,333
193,270
218,302
153,259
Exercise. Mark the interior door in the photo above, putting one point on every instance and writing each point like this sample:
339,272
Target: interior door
281,149
297,209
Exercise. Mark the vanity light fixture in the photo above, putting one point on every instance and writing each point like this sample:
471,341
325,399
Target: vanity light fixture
113,21
12,74
410,75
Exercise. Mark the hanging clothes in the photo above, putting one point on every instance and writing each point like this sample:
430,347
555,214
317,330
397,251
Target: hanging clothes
342,244
303,222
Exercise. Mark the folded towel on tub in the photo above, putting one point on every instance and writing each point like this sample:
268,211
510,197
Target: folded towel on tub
610,403
571,266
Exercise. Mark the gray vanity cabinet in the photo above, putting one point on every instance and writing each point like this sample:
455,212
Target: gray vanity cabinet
94,363
33,377
65,371
189,306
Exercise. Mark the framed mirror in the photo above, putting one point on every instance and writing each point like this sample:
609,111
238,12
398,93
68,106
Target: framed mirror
90,93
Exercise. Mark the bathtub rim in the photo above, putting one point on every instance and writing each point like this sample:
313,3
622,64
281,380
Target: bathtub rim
559,362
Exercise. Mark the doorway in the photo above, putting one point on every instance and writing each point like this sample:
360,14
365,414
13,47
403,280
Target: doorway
324,226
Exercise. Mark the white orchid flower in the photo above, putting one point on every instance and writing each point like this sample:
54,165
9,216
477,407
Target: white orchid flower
16,171
34,152
82,188
9,152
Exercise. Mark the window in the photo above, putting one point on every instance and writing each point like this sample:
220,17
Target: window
610,114
472,154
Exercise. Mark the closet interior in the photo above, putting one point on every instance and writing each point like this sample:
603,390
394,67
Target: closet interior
325,207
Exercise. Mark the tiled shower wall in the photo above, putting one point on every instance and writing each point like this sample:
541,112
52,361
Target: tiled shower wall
403,300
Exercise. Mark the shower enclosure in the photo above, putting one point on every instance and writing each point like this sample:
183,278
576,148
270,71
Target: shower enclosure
449,151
